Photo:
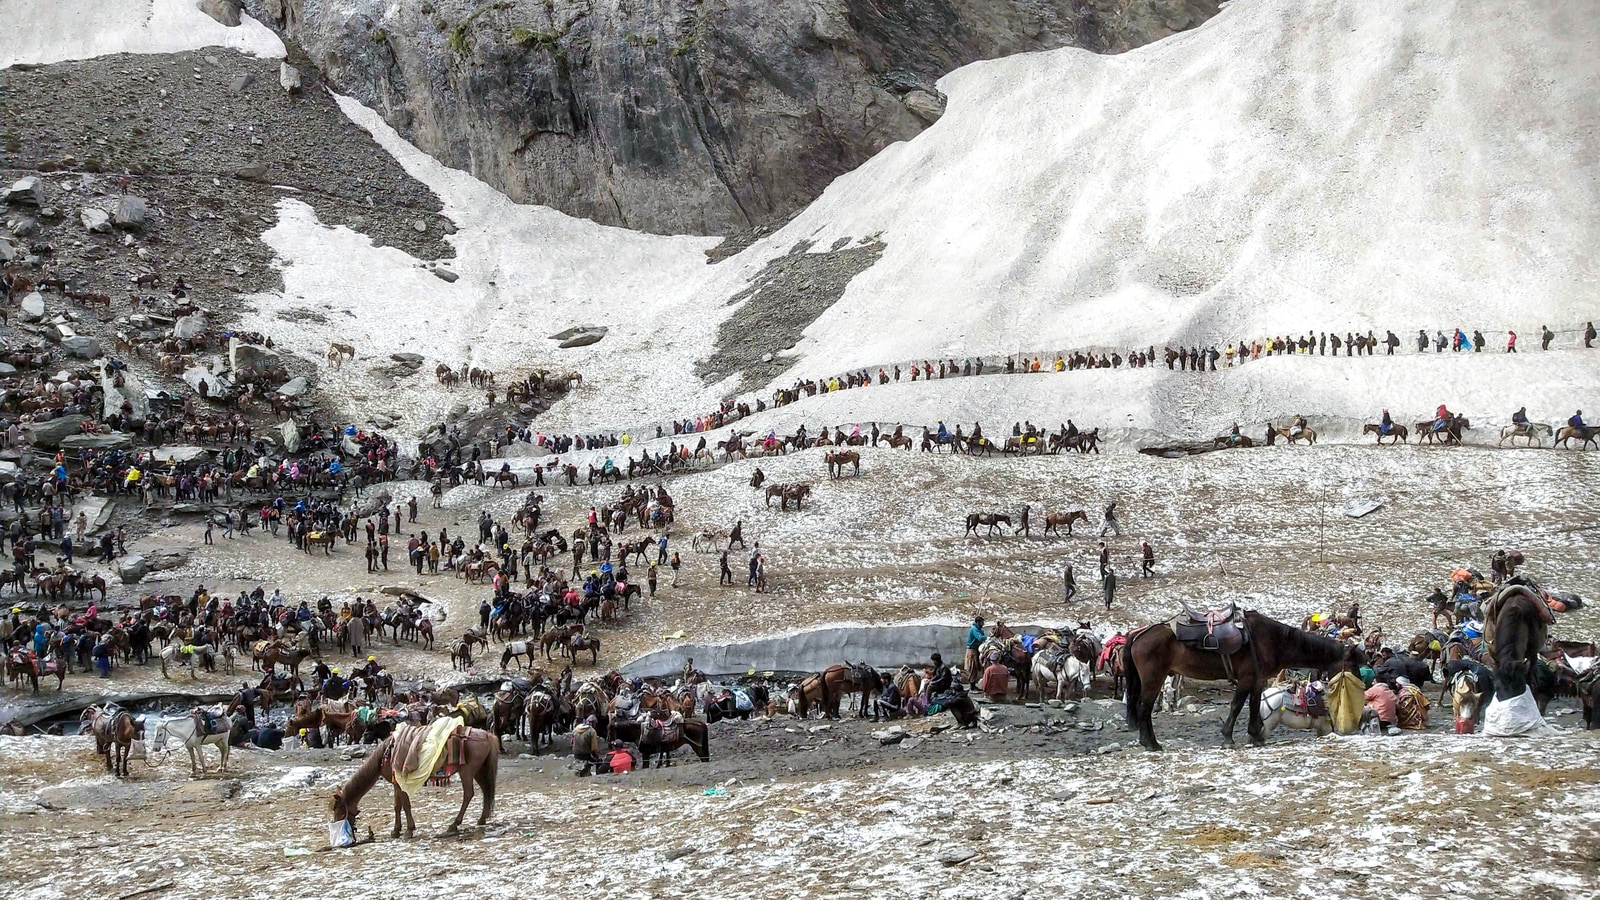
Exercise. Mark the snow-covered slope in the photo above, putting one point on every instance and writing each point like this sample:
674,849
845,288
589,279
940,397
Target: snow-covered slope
1287,166
47,31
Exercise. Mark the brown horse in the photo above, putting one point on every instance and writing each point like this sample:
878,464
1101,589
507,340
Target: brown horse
1307,434
1516,626
827,688
1269,647
993,520
1450,435
1584,437
268,655
558,636
661,738
838,460
480,754
1397,432
1054,521
580,642
113,731
787,492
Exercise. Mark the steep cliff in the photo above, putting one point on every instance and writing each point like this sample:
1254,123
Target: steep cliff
680,116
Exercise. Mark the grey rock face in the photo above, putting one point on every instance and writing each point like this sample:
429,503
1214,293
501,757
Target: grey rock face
81,347
33,307
96,221
680,116
27,191
131,212
249,361
289,78
224,11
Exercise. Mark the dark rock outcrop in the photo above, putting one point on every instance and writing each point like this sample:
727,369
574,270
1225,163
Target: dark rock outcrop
680,116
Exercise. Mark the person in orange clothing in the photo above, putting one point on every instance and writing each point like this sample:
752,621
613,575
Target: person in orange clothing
996,681
1381,700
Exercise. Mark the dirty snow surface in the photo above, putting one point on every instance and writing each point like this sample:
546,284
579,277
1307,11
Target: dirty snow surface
47,31
1466,816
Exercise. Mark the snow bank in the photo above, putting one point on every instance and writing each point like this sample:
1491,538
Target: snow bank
1342,165
525,272
48,31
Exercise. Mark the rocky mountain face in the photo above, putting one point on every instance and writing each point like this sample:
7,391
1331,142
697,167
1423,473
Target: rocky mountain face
680,116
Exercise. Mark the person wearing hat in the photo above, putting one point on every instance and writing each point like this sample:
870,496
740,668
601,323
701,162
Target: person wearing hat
619,759
587,747
975,639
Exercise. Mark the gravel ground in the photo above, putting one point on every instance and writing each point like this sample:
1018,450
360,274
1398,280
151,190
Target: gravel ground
212,142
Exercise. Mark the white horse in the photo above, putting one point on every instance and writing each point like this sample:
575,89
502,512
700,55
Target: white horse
184,731
174,653
1060,669
1277,708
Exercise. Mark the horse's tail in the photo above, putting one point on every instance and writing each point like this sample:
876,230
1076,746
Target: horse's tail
1131,679
488,775
702,747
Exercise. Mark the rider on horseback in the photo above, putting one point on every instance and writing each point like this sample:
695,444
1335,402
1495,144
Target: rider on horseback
1298,426
1519,421
1387,425
1577,422
1442,417
944,433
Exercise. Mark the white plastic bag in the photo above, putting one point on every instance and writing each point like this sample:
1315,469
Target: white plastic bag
1517,717
340,834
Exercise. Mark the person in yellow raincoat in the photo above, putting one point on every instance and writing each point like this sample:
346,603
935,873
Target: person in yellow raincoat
133,477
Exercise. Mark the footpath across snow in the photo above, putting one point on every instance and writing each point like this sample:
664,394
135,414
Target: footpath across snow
47,31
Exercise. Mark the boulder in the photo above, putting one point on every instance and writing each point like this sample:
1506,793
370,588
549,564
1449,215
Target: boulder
401,365
114,441
252,171
27,191
131,212
96,221
172,558
8,250
289,77
294,387
224,11
371,505
924,105
81,347
33,307
216,385
22,226
132,568
240,82
251,360
584,338
289,434
47,435
574,331
132,391
187,328
445,275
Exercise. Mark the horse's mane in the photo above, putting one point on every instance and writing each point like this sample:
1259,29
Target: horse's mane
364,778
1290,641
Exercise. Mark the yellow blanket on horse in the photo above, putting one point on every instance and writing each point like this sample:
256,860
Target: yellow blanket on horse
1345,697
417,750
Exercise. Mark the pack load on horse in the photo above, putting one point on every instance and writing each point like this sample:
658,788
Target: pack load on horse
1241,646
409,759
1516,626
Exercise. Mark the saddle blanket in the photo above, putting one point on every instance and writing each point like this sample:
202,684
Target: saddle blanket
417,750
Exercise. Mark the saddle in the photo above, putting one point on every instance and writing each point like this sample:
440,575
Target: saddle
1215,631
